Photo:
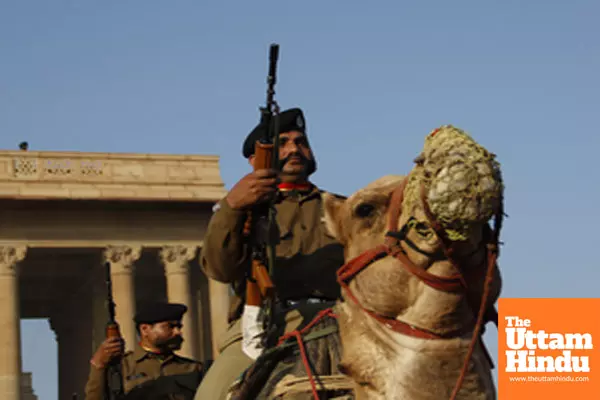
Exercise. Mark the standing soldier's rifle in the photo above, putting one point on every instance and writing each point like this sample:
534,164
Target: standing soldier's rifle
259,226
113,389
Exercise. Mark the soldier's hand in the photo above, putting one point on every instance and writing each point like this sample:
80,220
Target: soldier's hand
254,188
108,350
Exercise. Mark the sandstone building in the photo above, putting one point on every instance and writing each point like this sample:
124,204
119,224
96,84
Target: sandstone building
64,214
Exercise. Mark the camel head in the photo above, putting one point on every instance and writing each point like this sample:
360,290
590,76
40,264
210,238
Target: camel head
456,187
360,223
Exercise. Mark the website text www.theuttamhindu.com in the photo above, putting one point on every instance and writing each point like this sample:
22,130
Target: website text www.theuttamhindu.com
531,378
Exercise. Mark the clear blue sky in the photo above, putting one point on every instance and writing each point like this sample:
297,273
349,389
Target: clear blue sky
373,79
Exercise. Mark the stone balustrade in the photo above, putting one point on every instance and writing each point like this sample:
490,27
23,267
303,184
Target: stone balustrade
75,175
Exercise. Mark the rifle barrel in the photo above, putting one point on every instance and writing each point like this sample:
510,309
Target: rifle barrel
273,57
271,78
109,297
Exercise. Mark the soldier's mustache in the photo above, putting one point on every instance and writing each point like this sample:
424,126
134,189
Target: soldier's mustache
172,343
283,161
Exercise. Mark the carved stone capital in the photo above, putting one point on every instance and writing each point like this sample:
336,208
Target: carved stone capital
177,258
122,257
10,257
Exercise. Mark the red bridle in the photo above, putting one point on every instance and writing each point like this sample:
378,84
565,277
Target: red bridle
456,283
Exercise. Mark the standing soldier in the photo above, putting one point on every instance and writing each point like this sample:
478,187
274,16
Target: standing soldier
307,256
152,370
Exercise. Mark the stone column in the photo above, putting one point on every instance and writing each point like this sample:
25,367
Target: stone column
219,309
177,270
10,322
122,262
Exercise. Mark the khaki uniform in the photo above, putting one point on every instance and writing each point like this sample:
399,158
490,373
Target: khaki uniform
150,376
306,264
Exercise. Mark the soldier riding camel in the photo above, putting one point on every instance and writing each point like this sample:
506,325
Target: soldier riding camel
307,256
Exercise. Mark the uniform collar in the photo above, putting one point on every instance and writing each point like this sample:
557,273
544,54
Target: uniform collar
140,353
298,187
297,192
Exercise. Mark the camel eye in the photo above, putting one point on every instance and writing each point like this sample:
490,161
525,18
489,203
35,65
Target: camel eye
364,210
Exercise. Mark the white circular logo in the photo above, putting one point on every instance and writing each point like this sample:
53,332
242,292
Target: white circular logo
300,122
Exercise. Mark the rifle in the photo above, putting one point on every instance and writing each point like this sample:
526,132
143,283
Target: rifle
113,389
260,222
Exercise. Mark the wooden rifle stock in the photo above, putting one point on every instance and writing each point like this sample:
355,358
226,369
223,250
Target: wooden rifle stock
112,330
260,274
259,284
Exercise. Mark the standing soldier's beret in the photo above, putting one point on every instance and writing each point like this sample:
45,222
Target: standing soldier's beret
159,312
289,120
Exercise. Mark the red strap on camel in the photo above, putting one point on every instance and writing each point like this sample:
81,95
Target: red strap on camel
357,264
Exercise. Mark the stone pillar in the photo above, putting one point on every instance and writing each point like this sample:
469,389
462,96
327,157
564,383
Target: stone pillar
122,262
177,270
219,309
10,322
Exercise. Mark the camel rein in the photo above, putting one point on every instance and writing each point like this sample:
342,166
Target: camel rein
455,283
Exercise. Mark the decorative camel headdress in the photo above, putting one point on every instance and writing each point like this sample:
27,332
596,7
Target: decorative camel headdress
462,180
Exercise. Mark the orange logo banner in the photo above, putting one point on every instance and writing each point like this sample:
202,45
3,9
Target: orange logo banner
547,349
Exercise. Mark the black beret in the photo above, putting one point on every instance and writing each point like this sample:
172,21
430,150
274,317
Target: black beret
159,312
289,120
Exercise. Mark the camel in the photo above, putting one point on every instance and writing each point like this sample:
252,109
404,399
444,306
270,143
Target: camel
419,284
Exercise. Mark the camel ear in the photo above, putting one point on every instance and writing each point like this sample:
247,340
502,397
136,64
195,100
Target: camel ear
332,206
